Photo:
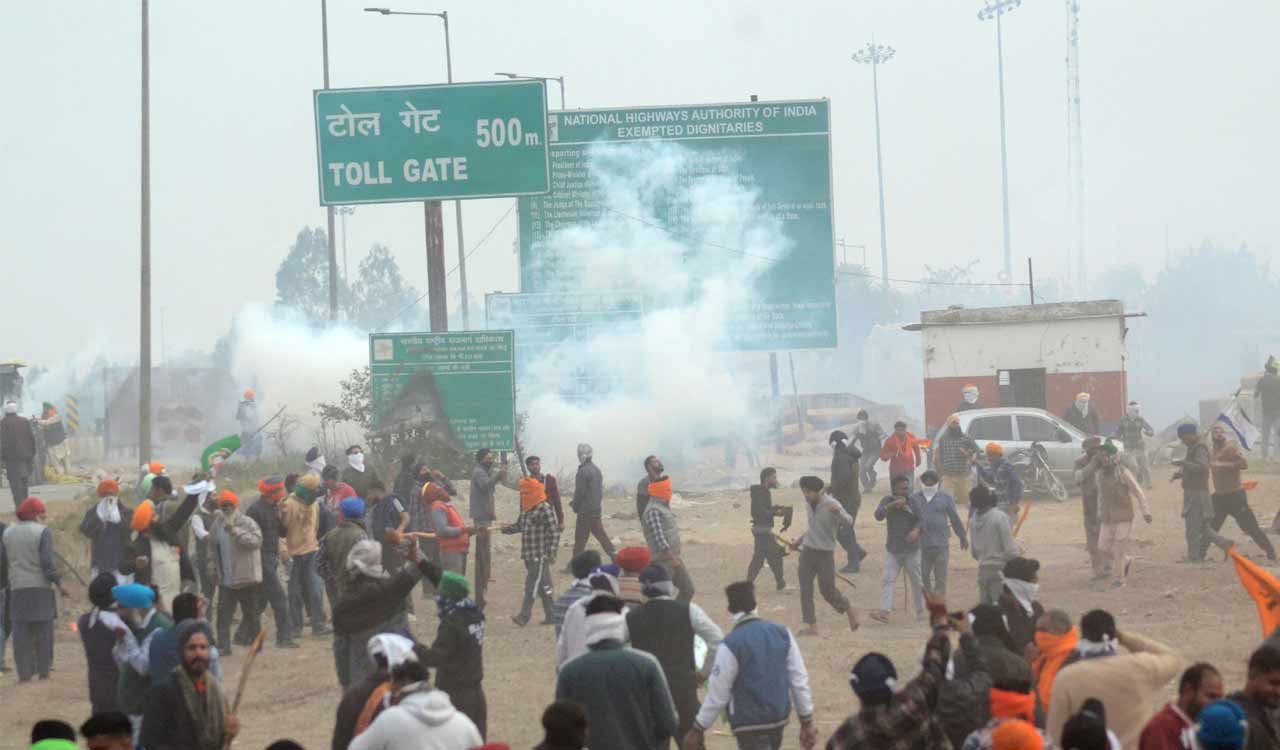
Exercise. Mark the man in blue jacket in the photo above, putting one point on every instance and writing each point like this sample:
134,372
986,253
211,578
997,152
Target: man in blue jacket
758,674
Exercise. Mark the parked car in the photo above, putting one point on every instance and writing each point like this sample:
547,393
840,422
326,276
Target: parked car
1016,428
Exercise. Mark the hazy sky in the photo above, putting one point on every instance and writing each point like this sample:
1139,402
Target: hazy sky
1180,114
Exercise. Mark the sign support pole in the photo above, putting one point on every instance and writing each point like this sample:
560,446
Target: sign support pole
437,298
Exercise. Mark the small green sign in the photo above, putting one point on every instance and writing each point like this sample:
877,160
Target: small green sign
465,380
409,143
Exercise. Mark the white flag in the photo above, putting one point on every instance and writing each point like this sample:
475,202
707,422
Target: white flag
1234,418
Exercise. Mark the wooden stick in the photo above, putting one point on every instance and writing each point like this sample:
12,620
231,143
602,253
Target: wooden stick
1026,511
254,650
846,580
420,534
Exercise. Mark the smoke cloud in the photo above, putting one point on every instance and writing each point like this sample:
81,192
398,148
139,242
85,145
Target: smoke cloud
675,386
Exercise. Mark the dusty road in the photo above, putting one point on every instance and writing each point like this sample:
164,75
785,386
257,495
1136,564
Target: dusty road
1200,609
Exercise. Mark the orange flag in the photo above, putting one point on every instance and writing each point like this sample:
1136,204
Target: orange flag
1263,587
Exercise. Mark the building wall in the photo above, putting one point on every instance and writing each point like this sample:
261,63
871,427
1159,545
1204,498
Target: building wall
1077,355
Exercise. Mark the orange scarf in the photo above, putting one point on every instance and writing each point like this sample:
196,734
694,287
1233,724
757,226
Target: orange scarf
372,707
1054,650
532,494
661,489
1006,704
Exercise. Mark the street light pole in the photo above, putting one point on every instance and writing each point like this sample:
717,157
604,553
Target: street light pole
557,79
996,10
439,316
344,212
877,55
333,249
144,343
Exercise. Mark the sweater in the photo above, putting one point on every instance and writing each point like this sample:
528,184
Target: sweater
1127,685
661,530
625,694
237,551
483,483
825,520
423,720
900,522
366,603
457,654
302,525
844,472
991,539
939,518
167,724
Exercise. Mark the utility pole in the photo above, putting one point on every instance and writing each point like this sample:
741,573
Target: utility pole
344,212
333,249
439,314
144,344
997,10
877,55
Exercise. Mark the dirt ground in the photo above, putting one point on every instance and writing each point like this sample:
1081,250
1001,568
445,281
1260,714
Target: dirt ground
1200,609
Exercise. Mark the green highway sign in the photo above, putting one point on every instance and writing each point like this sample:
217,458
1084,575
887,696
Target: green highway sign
410,143
464,380
557,324
781,150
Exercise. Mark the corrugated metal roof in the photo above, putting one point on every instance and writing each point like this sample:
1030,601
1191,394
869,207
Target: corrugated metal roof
1023,313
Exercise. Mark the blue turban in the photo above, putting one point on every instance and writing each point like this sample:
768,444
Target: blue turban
352,507
134,596
1186,428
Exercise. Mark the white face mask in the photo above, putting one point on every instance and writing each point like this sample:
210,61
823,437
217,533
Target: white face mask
356,460
1082,405
970,397
1133,411
929,490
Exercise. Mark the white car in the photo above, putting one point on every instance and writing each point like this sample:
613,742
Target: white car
1015,428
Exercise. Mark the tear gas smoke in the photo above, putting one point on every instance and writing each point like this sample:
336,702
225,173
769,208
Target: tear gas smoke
674,384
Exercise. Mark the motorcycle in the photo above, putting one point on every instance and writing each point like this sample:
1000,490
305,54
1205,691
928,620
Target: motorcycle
1037,476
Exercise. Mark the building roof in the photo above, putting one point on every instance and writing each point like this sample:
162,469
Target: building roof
1054,311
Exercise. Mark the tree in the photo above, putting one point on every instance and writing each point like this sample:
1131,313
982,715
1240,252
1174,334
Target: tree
1124,283
355,402
380,295
302,281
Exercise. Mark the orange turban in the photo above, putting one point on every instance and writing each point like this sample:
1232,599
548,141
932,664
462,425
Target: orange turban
994,449
633,559
432,493
1016,734
532,494
108,488
272,488
227,496
249,393
155,467
1008,704
142,516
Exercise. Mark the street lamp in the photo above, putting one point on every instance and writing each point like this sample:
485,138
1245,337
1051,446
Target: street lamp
457,205
557,79
344,212
989,11
876,55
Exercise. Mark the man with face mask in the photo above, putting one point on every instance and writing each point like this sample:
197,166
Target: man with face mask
1082,415
1086,467
136,626
1229,496
968,398
844,488
357,474
1117,490
1193,471
190,713
1132,431
588,504
939,518
870,438
237,565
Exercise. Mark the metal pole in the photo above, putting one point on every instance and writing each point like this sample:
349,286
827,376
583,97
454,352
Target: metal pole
560,80
884,243
1031,281
795,392
333,250
777,411
346,270
457,205
1004,155
144,344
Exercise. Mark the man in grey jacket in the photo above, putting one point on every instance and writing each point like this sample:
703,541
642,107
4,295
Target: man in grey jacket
484,480
237,562
817,554
991,542
588,504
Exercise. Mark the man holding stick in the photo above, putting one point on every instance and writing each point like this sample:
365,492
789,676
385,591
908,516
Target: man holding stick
817,554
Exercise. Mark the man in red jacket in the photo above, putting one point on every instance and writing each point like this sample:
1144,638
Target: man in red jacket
902,451
1172,727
